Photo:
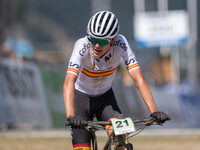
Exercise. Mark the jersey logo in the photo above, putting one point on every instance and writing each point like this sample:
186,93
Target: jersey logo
107,57
84,49
120,44
129,62
74,65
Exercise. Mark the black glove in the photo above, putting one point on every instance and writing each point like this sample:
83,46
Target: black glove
160,117
76,121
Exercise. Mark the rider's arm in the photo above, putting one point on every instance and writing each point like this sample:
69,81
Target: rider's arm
143,88
69,93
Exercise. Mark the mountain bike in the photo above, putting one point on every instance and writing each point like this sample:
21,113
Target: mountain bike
123,129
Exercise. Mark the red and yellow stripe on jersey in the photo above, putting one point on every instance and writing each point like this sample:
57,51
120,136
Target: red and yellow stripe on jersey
73,70
132,66
82,147
98,74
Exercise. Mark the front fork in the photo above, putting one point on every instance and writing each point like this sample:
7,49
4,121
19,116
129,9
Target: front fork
119,141
94,141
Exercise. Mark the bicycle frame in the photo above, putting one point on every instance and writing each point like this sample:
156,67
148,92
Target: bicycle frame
111,142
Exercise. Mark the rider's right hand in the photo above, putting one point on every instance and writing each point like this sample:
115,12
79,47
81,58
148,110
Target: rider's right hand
76,121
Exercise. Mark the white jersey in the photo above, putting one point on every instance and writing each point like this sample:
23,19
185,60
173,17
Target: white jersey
95,75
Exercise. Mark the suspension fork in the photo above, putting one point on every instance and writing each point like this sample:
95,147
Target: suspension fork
94,140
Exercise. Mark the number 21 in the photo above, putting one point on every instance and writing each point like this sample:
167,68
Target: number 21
120,123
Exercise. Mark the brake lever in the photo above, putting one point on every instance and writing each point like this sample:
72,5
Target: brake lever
91,126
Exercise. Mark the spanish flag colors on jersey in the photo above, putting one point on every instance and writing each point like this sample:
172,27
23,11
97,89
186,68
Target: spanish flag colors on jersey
132,66
98,74
82,147
95,75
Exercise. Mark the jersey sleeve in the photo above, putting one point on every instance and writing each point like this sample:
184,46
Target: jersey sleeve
80,49
128,55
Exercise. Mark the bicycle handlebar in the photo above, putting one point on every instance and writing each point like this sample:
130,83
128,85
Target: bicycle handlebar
67,123
149,119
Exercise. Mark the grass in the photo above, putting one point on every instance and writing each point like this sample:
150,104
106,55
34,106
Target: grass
185,142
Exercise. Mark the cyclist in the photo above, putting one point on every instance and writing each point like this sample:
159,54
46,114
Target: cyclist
87,88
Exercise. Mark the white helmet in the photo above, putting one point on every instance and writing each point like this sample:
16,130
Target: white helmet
103,25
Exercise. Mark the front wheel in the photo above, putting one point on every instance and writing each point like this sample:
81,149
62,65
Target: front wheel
109,147
129,146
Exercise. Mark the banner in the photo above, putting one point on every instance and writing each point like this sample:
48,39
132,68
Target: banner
22,99
161,28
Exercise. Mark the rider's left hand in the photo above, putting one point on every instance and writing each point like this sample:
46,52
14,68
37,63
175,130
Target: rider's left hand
160,117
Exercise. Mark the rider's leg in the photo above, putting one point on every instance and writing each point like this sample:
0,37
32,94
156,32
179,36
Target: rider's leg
81,138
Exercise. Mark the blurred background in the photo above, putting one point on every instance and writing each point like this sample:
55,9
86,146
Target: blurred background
37,38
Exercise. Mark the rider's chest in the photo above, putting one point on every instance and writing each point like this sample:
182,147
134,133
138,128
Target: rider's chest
106,63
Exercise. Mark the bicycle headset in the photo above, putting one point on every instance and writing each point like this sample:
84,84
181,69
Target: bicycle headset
103,25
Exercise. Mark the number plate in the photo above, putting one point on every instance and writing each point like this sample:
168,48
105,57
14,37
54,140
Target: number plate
122,126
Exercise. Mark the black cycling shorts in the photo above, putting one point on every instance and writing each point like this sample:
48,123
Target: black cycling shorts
103,107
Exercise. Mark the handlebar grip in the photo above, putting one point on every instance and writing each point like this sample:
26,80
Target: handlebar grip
169,118
67,123
152,118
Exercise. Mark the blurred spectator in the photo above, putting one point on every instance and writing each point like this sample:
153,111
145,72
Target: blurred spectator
24,48
163,72
19,48
7,52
